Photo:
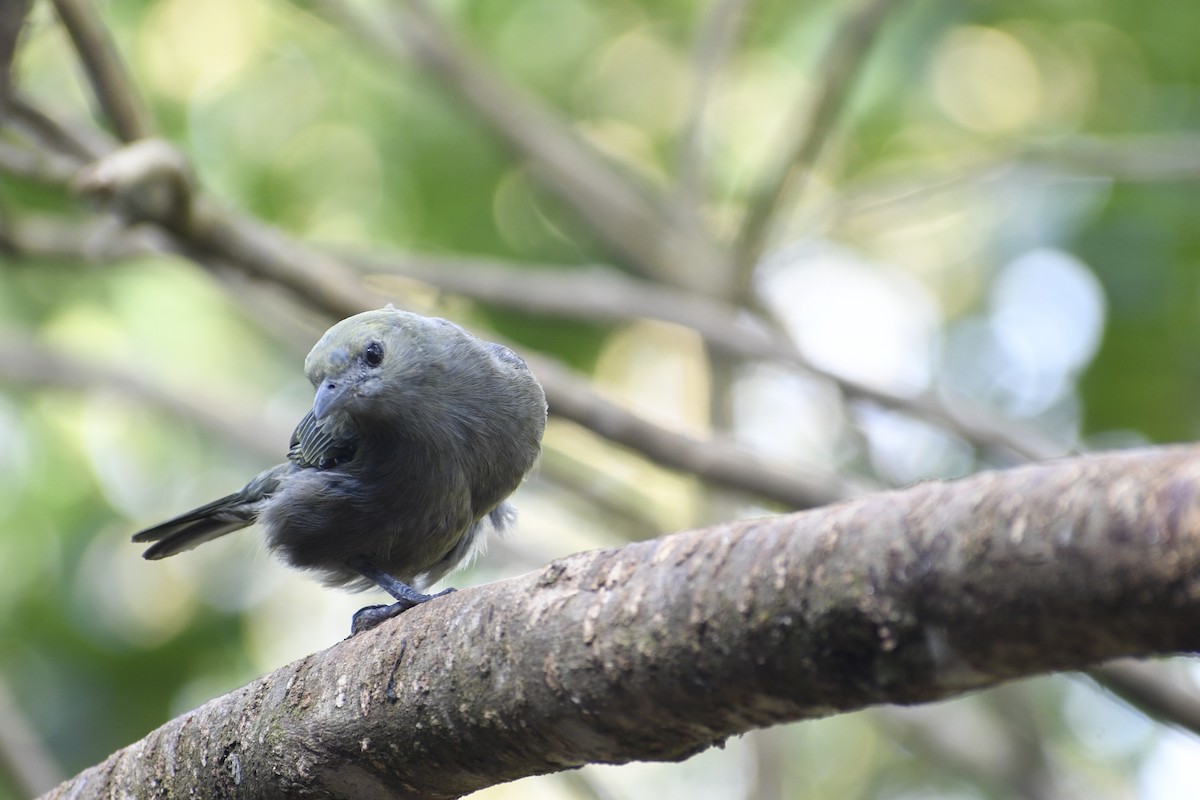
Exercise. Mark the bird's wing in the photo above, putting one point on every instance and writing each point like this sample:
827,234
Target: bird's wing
314,445
211,520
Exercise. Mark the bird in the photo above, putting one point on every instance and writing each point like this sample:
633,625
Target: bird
418,433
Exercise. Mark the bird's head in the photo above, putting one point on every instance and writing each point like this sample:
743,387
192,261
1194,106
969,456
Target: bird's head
362,359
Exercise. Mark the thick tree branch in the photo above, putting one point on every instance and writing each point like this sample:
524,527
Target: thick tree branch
659,649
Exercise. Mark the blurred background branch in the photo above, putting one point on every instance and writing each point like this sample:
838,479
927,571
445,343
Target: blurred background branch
22,753
12,19
815,118
123,179
104,69
626,213
33,364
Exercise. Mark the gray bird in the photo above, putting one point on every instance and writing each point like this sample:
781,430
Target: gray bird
417,434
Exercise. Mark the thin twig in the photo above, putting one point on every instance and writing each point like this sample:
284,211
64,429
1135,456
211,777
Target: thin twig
817,118
74,141
105,70
718,33
1150,158
1130,159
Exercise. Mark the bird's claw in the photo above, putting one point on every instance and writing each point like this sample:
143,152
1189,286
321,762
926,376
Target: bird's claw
367,618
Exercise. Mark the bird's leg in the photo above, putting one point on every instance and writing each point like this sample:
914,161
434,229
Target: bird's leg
406,596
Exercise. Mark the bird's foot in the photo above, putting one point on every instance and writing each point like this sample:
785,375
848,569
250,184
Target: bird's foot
367,618
406,596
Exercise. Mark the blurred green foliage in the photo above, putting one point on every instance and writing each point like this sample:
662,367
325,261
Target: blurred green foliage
961,152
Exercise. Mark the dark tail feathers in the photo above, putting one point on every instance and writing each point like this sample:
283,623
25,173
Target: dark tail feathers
198,526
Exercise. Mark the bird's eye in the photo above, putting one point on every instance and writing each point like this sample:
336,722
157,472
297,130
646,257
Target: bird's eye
373,355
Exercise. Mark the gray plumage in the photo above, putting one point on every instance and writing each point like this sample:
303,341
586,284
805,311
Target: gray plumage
418,433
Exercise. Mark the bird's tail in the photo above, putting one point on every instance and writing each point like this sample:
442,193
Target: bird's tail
198,526
230,513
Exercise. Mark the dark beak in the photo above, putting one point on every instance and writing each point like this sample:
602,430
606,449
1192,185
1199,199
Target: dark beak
330,395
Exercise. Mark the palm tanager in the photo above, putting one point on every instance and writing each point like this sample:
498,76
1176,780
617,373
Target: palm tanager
417,434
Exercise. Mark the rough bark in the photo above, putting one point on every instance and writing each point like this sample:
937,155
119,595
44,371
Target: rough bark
662,648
